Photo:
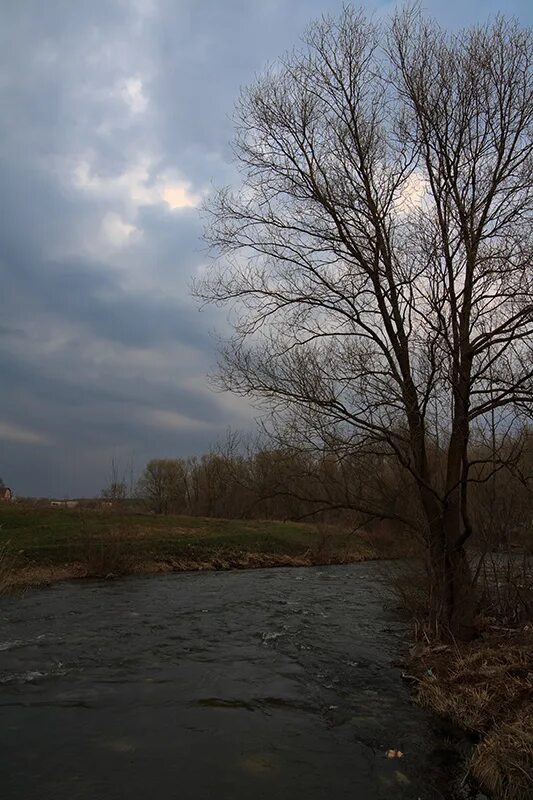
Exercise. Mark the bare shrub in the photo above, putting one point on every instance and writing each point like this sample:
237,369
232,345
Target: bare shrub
8,568
105,557
409,587
8,564
505,583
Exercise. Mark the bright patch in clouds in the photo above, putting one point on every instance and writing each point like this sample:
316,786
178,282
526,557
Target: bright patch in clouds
139,185
123,195
132,93
16,433
177,195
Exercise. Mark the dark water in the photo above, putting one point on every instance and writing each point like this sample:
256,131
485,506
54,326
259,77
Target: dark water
264,684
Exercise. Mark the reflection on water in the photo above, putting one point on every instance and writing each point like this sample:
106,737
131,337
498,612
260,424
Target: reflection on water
261,684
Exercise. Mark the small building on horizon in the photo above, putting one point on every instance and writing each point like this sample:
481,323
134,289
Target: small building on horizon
64,503
6,494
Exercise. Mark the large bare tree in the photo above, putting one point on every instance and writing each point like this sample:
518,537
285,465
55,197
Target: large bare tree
377,255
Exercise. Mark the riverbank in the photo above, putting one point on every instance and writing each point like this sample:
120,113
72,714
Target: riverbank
485,687
45,545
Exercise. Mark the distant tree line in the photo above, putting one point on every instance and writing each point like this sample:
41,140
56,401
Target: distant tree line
248,479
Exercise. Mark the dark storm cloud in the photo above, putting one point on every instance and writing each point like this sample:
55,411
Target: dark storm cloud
116,117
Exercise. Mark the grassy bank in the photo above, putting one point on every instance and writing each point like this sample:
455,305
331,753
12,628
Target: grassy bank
486,688
40,545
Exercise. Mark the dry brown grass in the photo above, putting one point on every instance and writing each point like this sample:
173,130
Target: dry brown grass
486,687
109,556
333,545
388,541
103,561
409,588
506,586
8,567
503,762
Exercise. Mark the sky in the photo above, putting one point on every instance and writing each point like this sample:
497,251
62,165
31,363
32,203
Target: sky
115,127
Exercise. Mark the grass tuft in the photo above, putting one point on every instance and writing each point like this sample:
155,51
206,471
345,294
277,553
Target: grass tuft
486,687
105,557
503,763
8,566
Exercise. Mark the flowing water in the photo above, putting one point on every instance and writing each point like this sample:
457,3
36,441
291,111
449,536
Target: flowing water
224,685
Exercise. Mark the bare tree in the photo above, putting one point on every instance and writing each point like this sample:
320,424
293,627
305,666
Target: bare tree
378,255
116,490
162,485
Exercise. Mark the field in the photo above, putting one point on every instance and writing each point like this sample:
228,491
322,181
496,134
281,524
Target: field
40,544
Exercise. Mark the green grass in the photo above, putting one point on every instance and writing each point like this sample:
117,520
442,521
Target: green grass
53,536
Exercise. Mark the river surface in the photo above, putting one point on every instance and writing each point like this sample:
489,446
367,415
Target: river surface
270,684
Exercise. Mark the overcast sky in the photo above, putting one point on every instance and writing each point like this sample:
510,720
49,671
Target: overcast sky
115,125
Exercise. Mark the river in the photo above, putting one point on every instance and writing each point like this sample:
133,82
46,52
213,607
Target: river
273,684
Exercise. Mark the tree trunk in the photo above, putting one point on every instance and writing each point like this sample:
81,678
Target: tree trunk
452,602
458,587
460,606
451,596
